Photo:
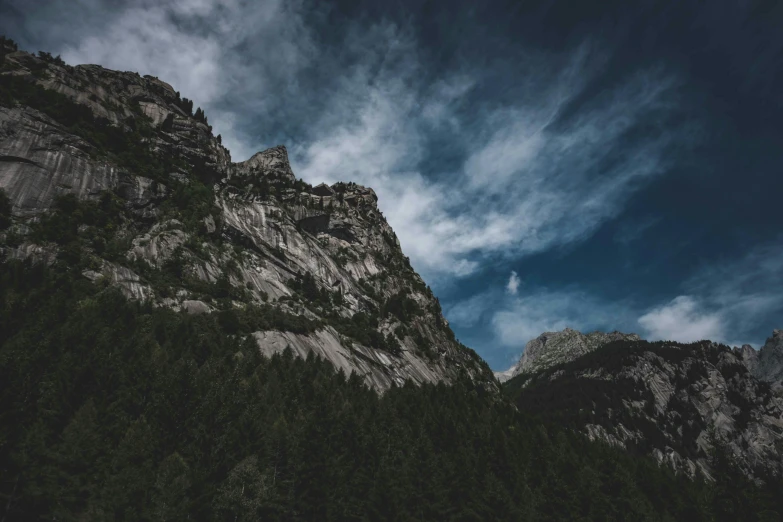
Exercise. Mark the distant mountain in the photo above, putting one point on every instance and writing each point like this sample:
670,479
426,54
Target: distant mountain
672,401
553,348
120,167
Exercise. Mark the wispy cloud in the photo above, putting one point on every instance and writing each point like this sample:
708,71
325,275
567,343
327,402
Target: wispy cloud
633,230
528,316
683,319
232,57
473,310
512,287
730,300
359,102
537,174
735,302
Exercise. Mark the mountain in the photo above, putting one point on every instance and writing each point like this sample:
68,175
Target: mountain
553,348
120,168
766,364
154,295
672,401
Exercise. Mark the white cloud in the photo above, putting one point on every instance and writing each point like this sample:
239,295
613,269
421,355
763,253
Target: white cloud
526,185
514,319
535,173
192,44
684,320
726,300
513,283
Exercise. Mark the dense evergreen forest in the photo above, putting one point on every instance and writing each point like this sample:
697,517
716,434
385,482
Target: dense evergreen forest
114,410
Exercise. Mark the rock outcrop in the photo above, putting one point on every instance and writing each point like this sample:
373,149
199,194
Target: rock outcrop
201,234
269,164
767,363
553,348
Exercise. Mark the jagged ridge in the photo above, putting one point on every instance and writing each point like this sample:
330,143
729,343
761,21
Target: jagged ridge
669,400
552,348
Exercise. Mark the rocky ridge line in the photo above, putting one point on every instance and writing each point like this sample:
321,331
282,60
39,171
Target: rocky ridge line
552,348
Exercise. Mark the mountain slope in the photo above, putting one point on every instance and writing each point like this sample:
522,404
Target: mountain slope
118,167
672,401
112,409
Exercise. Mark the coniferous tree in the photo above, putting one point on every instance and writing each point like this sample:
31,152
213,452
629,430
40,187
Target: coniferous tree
5,210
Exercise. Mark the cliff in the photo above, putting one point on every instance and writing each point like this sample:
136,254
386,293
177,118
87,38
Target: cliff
672,401
151,195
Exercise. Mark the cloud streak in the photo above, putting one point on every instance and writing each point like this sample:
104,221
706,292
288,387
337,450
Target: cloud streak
536,175
359,102
469,181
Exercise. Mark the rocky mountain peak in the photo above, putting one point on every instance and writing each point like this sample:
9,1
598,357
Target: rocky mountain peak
161,84
769,365
766,364
553,348
272,162
749,356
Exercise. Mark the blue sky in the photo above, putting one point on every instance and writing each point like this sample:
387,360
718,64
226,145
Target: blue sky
597,165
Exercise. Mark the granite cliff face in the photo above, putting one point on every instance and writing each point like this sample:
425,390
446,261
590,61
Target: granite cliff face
193,231
553,348
766,364
668,400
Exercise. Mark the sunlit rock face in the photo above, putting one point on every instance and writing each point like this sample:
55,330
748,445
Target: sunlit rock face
39,159
262,233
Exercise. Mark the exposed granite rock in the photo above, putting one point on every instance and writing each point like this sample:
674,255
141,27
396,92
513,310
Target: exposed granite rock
664,399
123,98
122,277
159,244
40,160
553,348
46,254
378,368
265,231
749,356
195,307
767,363
770,367
271,163
323,190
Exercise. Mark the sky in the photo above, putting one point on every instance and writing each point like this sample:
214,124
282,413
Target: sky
599,165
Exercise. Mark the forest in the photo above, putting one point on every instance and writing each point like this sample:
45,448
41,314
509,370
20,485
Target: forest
115,410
